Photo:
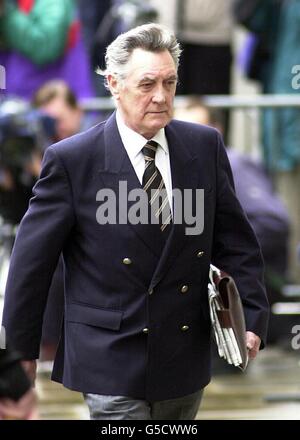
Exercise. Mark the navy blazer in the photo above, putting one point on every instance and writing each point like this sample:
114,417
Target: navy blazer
136,318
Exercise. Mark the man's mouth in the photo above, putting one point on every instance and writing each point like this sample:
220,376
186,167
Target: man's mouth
157,113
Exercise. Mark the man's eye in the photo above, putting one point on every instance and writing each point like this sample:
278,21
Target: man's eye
147,85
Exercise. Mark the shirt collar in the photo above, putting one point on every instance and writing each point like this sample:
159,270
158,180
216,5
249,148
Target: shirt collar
134,141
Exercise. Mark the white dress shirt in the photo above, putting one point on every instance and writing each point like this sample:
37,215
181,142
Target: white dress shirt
134,142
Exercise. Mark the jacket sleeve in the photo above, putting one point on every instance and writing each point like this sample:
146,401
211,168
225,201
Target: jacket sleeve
38,245
236,249
40,35
14,382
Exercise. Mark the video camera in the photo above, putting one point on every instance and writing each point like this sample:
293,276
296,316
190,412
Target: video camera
22,131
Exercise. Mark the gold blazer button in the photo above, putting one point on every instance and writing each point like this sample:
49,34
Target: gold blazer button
184,328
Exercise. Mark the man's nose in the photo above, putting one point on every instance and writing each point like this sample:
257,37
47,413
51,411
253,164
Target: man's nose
159,96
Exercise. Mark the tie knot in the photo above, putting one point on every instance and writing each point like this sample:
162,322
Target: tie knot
149,150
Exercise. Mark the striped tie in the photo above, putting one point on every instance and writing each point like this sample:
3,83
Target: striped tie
154,185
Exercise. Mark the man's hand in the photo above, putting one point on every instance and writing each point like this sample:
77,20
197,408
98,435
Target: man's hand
30,370
23,409
34,165
253,343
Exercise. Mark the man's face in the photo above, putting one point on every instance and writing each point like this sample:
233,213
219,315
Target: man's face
145,96
68,119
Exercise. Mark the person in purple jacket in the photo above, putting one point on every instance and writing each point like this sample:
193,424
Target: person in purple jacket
41,40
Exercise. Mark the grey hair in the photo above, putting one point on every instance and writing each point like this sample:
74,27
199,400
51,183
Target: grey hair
151,37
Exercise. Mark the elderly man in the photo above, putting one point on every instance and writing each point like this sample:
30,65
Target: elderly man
136,338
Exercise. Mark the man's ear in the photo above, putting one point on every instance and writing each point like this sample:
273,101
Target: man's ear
114,86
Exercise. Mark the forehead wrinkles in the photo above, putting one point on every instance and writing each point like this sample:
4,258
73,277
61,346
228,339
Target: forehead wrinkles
154,73
140,65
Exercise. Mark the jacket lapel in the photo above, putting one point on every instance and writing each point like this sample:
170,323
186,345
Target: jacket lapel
118,168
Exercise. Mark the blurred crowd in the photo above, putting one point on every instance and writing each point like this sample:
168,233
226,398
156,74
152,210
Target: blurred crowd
51,49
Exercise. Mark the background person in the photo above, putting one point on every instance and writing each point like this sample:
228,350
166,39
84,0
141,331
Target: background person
56,99
41,40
